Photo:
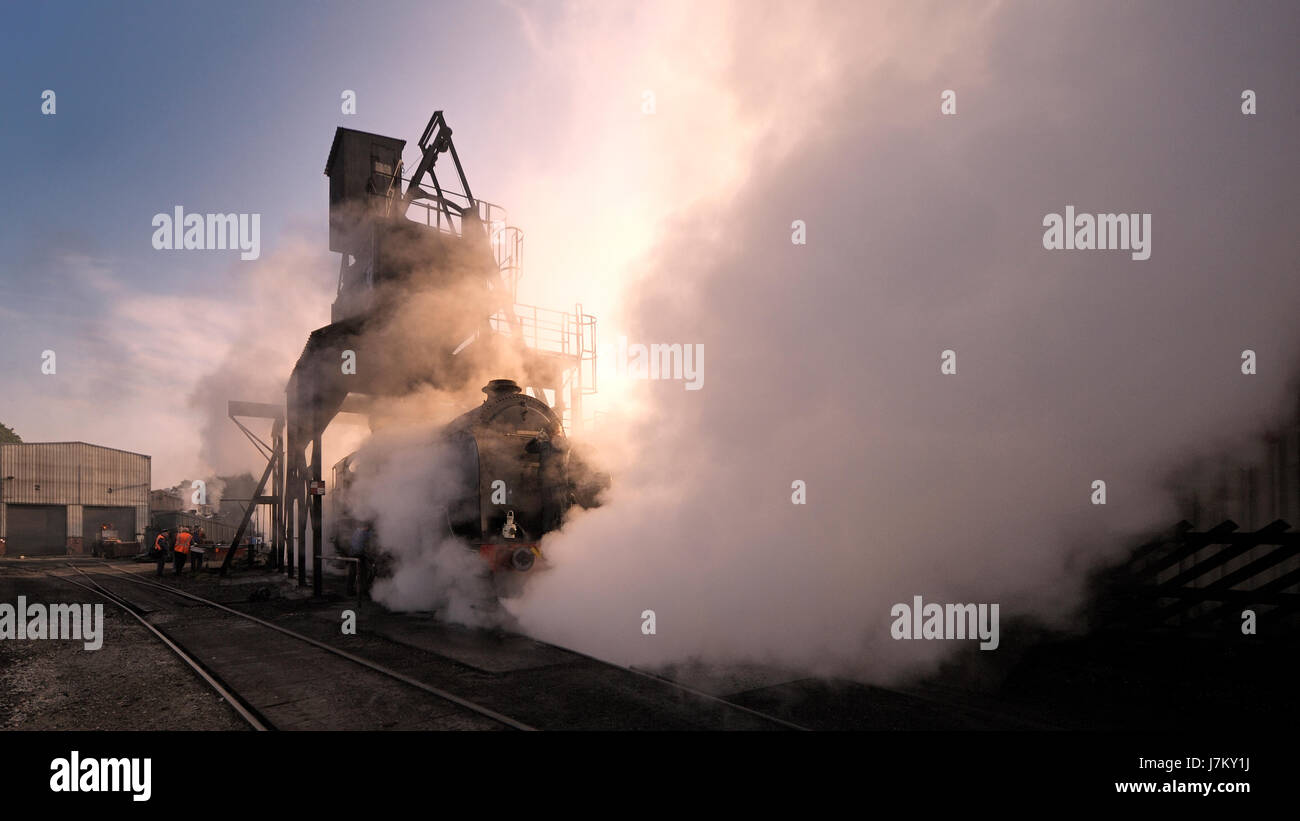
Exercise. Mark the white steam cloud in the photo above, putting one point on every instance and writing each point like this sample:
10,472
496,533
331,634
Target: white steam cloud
402,486
924,235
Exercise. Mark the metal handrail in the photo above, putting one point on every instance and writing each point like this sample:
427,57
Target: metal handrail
547,330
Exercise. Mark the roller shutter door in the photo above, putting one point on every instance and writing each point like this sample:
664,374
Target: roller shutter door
36,530
121,518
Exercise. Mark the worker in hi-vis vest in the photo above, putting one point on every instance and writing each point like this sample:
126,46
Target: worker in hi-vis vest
182,549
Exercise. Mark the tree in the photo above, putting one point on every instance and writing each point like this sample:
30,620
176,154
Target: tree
7,435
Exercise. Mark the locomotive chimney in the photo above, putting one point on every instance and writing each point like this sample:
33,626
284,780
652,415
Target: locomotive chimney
500,387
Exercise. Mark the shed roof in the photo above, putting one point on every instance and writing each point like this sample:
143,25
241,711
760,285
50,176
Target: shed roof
87,444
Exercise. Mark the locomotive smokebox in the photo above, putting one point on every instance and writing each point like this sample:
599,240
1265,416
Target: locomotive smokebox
522,559
501,387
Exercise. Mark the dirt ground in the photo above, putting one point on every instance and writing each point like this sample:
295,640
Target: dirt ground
132,682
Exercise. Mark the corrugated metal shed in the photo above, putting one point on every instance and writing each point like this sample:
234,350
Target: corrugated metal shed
74,475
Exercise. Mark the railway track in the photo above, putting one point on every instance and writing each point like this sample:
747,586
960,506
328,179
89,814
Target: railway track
242,702
248,713
753,719
567,689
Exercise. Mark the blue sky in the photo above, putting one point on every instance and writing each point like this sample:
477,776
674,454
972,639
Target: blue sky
226,108
221,107
231,108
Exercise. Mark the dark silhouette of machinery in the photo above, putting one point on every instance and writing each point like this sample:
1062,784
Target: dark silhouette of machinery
507,478
430,242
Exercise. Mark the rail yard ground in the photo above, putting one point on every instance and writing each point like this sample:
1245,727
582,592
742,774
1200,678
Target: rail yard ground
425,674
133,682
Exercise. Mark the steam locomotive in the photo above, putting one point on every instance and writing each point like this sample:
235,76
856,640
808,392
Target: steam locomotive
512,478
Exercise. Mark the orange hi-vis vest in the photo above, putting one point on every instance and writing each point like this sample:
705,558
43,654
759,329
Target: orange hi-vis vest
183,542
158,543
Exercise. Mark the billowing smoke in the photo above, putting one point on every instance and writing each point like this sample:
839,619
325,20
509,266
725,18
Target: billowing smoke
199,493
424,351
278,301
404,481
923,235
688,155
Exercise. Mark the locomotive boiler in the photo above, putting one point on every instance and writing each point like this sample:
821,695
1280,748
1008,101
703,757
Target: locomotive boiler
508,477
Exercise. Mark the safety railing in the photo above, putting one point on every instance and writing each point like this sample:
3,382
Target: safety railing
564,333
448,220
507,241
